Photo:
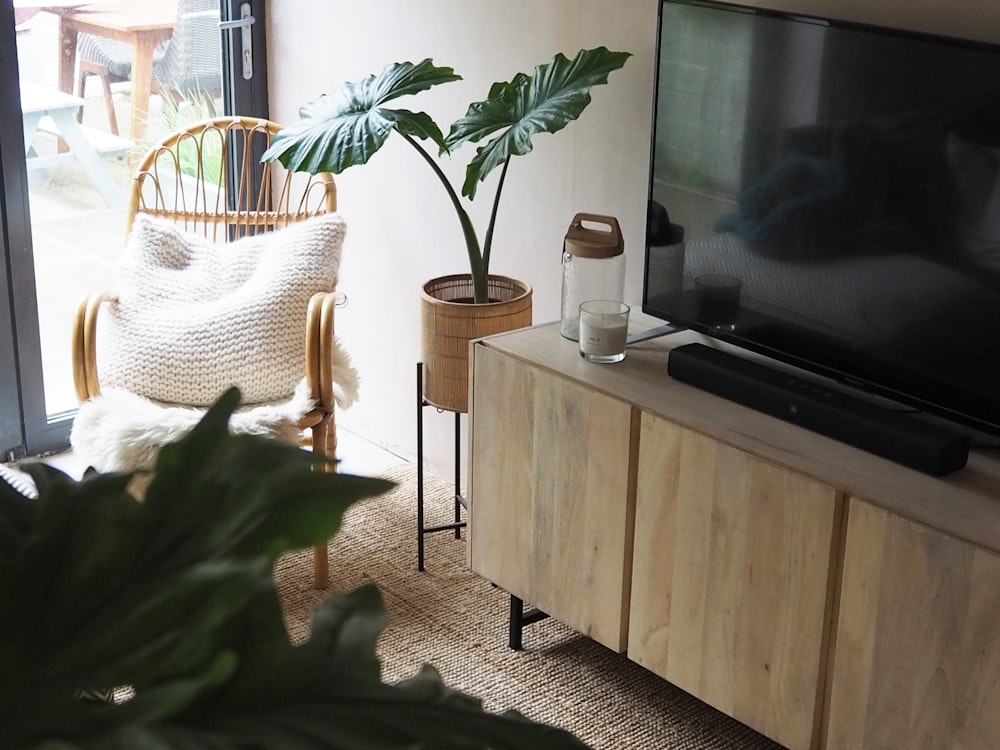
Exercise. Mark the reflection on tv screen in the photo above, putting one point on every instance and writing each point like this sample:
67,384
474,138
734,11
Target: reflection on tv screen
848,180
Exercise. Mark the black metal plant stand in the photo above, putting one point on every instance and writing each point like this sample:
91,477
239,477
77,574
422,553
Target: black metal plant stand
460,503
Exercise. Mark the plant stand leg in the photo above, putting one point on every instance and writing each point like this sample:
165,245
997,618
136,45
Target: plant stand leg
519,619
460,502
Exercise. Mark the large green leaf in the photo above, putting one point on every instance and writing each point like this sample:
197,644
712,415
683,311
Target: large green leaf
546,102
347,127
173,596
99,590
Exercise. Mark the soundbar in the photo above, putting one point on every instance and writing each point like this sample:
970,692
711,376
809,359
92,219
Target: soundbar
930,448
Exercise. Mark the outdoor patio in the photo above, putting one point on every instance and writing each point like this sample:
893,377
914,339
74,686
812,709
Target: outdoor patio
76,237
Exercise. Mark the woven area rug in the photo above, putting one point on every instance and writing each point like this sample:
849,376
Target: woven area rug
450,617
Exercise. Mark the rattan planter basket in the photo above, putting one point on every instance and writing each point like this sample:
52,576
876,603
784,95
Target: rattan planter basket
451,320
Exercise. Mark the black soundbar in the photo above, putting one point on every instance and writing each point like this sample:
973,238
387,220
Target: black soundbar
899,437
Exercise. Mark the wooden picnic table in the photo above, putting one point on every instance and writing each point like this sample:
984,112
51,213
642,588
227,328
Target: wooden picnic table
142,23
52,111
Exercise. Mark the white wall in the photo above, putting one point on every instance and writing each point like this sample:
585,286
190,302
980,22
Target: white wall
401,228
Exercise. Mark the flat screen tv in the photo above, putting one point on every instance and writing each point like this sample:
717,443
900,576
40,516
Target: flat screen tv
844,181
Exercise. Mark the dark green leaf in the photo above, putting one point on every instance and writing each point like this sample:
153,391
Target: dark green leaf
100,590
546,102
328,693
347,128
173,597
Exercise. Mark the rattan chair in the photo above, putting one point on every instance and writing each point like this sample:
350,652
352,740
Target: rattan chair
208,180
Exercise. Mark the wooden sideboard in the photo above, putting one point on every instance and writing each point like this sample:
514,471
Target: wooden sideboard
824,596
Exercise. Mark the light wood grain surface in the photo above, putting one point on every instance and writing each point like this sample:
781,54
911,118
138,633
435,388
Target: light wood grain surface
917,653
550,517
827,597
965,504
732,566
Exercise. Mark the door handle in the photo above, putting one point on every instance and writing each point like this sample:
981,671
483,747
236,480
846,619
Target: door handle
243,23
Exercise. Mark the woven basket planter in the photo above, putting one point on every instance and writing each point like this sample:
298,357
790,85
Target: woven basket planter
451,320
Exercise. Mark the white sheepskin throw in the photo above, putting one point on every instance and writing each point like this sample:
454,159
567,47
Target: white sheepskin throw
194,317
120,431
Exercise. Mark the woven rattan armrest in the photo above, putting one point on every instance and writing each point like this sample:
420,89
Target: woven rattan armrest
84,345
319,378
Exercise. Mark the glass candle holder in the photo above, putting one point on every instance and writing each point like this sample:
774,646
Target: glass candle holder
603,330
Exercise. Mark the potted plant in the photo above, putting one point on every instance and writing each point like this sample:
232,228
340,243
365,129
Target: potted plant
348,127
171,603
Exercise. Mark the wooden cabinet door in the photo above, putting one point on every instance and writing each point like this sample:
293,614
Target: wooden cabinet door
917,654
732,579
550,512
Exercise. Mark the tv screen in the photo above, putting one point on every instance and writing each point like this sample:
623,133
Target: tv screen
838,189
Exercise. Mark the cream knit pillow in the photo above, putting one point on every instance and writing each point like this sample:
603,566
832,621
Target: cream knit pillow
194,317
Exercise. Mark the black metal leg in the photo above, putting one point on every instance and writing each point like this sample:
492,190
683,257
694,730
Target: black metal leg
420,466
516,625
519,618
458,476
458,524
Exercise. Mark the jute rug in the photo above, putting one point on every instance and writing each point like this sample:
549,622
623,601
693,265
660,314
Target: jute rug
449,617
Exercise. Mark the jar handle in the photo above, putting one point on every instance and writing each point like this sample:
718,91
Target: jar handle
577,230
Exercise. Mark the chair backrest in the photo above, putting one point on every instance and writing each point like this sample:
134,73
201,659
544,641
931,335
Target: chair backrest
207,178
193,59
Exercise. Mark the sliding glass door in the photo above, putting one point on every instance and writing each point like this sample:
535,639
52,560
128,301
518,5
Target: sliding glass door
88,88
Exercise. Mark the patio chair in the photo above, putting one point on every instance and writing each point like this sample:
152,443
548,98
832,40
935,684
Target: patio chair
228,278
189,62
111,61
192,61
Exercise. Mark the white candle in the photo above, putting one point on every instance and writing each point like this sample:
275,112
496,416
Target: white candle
603,330
603,335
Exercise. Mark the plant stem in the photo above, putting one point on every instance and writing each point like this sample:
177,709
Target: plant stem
488,241
477,266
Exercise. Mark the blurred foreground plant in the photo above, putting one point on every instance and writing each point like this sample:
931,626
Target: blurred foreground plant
173,597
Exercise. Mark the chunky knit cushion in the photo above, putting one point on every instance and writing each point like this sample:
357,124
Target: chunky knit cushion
194,317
